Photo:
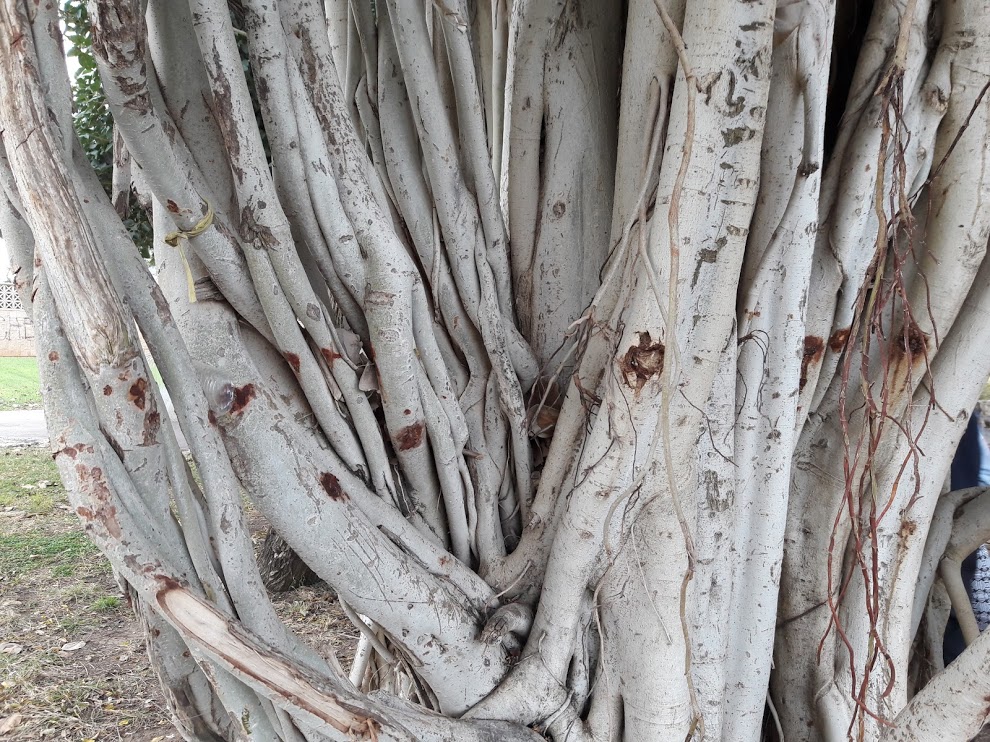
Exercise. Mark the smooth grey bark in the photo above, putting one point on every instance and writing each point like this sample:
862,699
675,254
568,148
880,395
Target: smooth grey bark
603,362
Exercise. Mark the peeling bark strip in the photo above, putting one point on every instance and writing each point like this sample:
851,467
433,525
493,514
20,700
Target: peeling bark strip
282,680
642,361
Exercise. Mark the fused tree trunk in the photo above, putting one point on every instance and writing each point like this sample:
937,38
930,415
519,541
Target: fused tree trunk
606,359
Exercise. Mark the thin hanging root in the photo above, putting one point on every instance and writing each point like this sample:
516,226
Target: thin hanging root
776,719
670,381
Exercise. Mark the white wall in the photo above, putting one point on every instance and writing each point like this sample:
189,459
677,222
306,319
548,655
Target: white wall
5,274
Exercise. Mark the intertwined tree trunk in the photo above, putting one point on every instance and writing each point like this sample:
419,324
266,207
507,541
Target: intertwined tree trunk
605,358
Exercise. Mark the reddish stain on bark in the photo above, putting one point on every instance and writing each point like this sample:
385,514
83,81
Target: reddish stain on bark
68,451
242,396
152,424
137,392
409,436
53,356
813,348
330,356
642,361
332,487
293,360
212,417
93,484
838,340
107,390
912,341
172,206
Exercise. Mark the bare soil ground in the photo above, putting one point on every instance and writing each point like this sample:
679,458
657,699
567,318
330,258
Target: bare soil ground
73,663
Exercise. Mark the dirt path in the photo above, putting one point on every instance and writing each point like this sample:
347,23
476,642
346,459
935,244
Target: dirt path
27,427
23,428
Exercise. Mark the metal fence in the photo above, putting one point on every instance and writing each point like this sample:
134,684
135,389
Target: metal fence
8,297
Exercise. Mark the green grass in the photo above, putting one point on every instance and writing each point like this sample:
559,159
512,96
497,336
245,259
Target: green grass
20,388
29,483
28,552
56,588
107,603
29,480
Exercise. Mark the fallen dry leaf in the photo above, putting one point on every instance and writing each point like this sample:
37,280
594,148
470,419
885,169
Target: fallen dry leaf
11,648
10,723
73,646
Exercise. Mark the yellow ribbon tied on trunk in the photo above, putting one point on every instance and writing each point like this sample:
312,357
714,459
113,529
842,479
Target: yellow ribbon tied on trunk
176,238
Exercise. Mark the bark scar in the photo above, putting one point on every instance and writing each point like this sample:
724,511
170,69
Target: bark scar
913,342
409,436
813,348
642,361
137,392
331,485
838,340
242,396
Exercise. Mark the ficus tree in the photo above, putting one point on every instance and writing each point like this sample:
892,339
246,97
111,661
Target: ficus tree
605,358
94,125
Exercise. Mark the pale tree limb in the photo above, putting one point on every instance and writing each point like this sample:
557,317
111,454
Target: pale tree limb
771,337
928,716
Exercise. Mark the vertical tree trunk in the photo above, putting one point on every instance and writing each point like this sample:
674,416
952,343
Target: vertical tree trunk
606,359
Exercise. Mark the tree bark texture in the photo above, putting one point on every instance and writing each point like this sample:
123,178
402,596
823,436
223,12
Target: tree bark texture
606,359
